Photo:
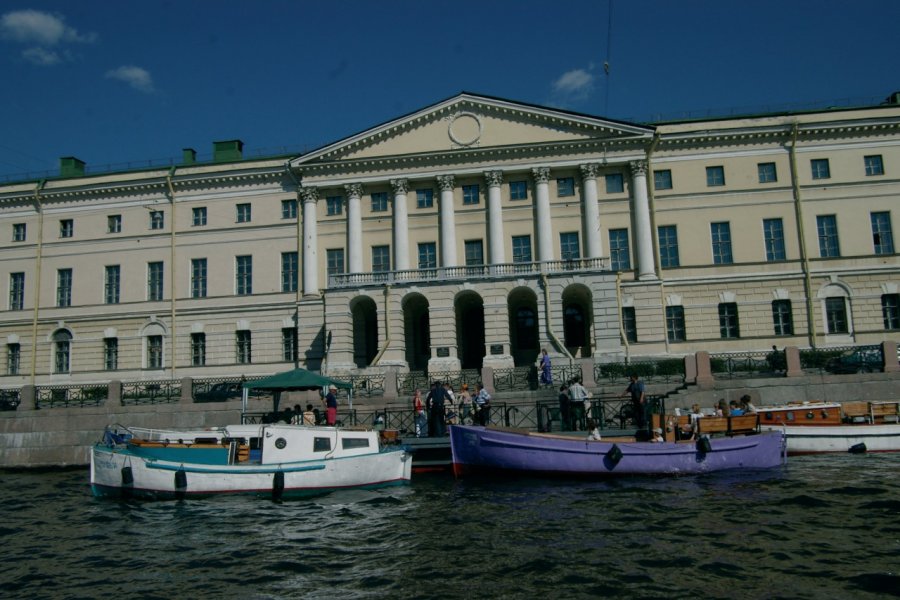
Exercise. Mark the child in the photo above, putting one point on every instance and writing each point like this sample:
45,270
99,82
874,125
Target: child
594,431
657,435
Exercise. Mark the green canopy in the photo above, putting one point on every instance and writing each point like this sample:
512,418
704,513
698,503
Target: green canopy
296,379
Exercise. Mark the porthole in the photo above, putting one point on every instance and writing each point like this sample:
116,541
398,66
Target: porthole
280,443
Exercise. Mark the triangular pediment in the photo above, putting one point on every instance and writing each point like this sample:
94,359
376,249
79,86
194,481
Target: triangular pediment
470,121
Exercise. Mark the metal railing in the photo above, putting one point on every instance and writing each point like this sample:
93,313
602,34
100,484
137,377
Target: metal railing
151,392
665,370
65,396
733,365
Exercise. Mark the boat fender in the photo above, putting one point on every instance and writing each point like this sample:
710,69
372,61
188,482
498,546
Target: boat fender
127,476
277,485
704,445
614,454
180,480
859,448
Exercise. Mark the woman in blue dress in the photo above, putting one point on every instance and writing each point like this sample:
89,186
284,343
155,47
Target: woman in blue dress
546,373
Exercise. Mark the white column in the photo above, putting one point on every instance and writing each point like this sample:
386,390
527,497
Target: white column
310,241
496,253
354,228
592,236
542,204
643,232
401,225
448,223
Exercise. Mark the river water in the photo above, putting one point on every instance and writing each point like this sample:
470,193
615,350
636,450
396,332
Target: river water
823,527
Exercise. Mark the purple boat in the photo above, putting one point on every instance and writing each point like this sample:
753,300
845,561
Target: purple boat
488,449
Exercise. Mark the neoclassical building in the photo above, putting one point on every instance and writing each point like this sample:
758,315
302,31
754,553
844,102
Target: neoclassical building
469,234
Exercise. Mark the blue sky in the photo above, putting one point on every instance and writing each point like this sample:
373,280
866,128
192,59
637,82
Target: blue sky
119,82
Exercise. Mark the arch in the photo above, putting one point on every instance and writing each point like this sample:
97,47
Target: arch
470,339
577,319
416,330
524,332
365,330
837,310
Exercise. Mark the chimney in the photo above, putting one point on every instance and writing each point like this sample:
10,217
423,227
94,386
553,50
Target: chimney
69,166
188,156
228,150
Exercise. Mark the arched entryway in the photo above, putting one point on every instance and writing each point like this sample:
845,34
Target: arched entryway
469,308
523,326
365,331
417,331
577,321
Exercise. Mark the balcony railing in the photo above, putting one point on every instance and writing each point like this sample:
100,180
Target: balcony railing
468,273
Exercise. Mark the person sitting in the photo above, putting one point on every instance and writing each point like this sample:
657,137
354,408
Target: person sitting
747,404
722,409
734,410
297,417
657,435
309,416
593,430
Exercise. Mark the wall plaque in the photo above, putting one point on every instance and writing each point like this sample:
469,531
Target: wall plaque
443,352
496,348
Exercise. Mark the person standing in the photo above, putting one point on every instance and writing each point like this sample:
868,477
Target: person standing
577,395
638,400
564,408
420,421
482,405
546,371
465,405
331,406
436,398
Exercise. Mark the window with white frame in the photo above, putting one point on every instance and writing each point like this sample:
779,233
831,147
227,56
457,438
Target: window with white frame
874,165
882,236
783,317
110,354
198,278
619,250
112,281
19,230
427,255
424,198
244,347
715,176
13,358
289,209
766,172
890,310
379,201
334,205
289,269
836,315
826,226
66,228
668,246
243,213
773,236
243,273
474,253
155,281
518,190
154,352
16,291
198,216
729,326
569,248
381,259
675,329
615,183
470,194
334,259
198,349
629,324
114,224
157,219
565,186
820,168
662,179
63,288
62,341
521,247
289,344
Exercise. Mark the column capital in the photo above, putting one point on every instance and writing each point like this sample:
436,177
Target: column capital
590,170
400,186
354,190
493,178
309,194
541,174
638,167
446,182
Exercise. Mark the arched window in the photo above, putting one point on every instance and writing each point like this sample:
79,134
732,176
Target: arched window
62,342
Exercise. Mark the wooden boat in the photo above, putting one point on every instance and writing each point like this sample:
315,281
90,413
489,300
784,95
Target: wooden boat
814,427
273,460
725,444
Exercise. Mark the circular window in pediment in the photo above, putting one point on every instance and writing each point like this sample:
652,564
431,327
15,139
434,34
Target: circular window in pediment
465,128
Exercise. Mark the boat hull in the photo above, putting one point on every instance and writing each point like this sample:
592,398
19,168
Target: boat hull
815,439
479,449
119,472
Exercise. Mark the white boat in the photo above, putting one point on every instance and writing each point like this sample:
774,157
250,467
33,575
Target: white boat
273,460
815,427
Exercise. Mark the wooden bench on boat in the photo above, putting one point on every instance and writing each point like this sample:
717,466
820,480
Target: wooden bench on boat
678,427
871,412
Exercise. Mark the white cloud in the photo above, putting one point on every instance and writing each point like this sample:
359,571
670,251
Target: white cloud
577,82
36,27
136,77
41,56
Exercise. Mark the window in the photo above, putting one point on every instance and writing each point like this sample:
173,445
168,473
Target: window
470,194
662,180
675,323
243,275
828,236
474,253
289,344
427,255
334,205
352,443
114,224
565,186
882,238
335,261
874,165
155,281
615,183
424,198
518,190
381,259
668,246
288,209
820,168
521,246
288,271
243,213
198,349
890,310
836,315
198,216
715,176
18,232
783,317
773,236
729,327
244,346
154,352
13,359
198,278
63,288
157,219
111,284
629,324
766,172
66,228
569,249
16,291
721,243
61,351
619,250
110,354
379,201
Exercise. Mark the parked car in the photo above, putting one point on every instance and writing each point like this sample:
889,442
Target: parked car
9,400
219,392
861,360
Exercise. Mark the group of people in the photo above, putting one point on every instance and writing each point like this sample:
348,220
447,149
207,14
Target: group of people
442,407
574,404
734,408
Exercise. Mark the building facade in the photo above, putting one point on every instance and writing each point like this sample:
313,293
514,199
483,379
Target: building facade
469,234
